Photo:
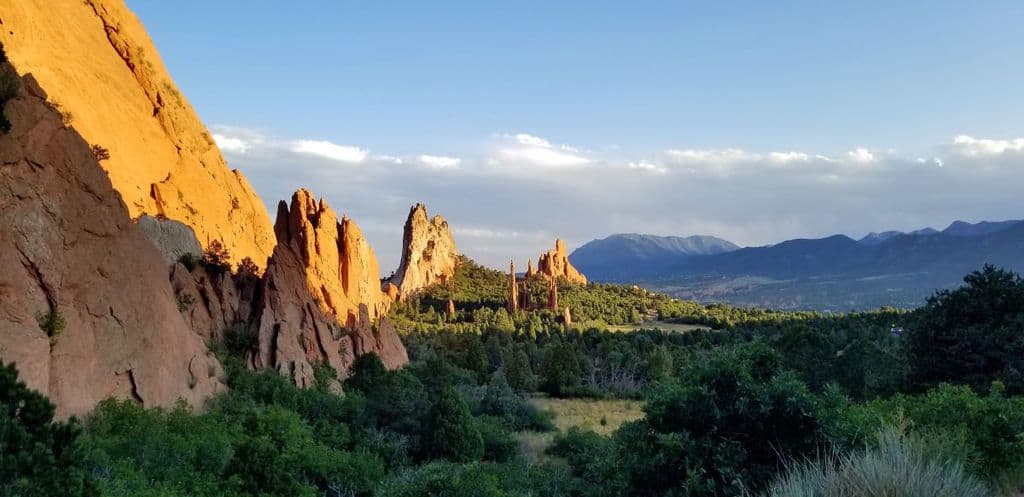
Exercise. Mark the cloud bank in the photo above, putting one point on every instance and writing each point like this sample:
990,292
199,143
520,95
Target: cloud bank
511,197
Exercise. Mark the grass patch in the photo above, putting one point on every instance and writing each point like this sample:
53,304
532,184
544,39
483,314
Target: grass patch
658,325
601,416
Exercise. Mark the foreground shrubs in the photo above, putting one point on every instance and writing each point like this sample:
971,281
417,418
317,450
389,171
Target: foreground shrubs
895,465
38,457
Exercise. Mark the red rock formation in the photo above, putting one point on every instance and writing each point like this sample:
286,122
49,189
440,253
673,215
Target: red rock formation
530,271
429,254
321,295
451,309
567,317
96,61
552,295
524,295
68,247
513,288
555,264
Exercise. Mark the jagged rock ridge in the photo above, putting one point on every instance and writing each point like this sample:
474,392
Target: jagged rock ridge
429,254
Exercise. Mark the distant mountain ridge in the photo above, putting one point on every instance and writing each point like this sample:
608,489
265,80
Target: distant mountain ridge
629,254
836,272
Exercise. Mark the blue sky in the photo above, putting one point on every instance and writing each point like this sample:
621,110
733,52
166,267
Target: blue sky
465,90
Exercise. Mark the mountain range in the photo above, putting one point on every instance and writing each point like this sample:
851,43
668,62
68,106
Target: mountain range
833,273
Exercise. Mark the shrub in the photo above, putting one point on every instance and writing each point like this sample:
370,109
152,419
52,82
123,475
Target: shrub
721,430
39,457
453,433
972,335
216,258
51,322
241,339
987,429
247,269
895,465
443,479
100,153
579,447
560,370
499,444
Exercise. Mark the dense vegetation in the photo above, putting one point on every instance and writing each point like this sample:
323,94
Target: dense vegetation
759,403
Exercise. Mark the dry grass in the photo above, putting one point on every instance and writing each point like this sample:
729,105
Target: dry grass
658,325
602,416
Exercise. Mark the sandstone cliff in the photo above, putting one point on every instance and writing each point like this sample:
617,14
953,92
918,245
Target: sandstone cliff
429,254
555,264
86,309
102,71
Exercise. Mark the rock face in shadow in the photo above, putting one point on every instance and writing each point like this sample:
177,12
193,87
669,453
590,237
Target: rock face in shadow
429,254
99,66
555,264
70,252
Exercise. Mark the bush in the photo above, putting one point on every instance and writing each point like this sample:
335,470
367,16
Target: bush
560,370
579,447
453,433
216,258
986,429
51,322
443,479
721,430
894,466
39,457
499,444
972,335
100,153
514,411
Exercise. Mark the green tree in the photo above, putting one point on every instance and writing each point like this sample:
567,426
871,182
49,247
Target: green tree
560,370
972,335
453,432
38,457
518,373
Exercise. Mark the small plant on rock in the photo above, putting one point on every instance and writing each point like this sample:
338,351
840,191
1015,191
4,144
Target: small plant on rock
100,153
51,322
216,258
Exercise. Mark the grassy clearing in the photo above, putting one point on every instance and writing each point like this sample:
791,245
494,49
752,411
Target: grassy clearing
658,325
602,416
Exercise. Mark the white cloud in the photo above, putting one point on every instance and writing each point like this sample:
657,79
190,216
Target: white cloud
389,158
440,161
787,157
332,151
709,155
861,156
232,144
974,147
648,167
534,150
533,141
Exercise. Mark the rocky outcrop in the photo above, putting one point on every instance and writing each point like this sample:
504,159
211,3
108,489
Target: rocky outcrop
172,239
100,67
321,298
86,309
513,288
555,264
429,255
